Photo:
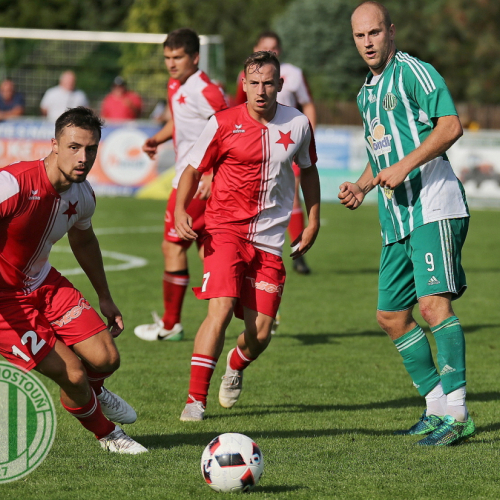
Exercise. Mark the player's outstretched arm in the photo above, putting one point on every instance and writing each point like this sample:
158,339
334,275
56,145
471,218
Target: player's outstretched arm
188,185
151,145
85,247
447,131
352,194
309,182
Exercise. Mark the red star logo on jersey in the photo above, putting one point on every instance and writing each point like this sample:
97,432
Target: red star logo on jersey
71,210
285,139
182,99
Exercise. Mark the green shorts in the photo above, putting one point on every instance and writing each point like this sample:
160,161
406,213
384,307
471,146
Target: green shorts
427,262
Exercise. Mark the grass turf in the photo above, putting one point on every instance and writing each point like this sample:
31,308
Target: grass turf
322,402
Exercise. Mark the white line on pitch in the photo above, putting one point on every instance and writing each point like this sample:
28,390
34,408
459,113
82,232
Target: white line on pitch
129,261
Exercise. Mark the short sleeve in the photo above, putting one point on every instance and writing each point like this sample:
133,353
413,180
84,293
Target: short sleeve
428,89
211,100
205,151
302,92
9,190
306,155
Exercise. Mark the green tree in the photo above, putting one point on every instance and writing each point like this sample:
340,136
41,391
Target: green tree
238,21
317,37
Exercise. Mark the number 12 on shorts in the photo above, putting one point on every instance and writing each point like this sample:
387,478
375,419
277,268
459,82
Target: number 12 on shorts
36,345
206,277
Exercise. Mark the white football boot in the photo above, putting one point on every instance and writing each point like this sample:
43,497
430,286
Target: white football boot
231,385
118,442
155,331
115,408
193,412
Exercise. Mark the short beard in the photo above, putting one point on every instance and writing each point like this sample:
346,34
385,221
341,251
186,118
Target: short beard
78,180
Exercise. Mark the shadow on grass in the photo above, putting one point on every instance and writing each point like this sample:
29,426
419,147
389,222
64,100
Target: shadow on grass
476,328
173,440
278,489
189,438
329,338
368,270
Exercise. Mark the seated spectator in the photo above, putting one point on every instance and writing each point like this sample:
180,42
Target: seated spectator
121,103
11,102
57,100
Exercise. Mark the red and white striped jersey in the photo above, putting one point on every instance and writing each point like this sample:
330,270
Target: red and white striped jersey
191,105
33,216
295,90
254,184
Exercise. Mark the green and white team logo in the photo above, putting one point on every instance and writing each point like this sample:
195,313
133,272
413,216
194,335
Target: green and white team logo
390,102
27,422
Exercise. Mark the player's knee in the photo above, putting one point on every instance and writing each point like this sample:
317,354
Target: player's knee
390,322
384,320
111,362
74,379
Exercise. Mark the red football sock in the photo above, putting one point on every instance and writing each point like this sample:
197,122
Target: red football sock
296,225
96,379
92,418
174,289
238,360
202,368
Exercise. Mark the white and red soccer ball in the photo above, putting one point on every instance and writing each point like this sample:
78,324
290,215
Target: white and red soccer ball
232,462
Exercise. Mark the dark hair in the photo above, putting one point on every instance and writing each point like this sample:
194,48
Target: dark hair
80,117
269,34
258,59
183,38
382,8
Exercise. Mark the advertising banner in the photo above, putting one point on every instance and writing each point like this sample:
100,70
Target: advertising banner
122,169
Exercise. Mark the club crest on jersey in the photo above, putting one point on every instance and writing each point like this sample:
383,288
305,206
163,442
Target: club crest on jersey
238,129
390,102
388,193
379,140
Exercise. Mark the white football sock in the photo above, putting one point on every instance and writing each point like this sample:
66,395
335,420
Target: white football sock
456,405
436,401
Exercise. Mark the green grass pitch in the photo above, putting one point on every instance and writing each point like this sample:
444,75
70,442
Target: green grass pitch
322,402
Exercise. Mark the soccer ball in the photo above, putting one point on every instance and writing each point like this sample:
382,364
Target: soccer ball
232,463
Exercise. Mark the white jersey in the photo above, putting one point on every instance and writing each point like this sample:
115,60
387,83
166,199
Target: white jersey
33,216
57,100
295,91
191,105
254,184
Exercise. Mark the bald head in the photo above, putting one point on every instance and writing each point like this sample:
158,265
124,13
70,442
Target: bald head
67,80
374,7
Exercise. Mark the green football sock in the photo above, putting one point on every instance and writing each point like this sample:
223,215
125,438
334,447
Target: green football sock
450,343
417,358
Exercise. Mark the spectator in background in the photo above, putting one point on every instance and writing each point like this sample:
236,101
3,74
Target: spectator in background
11,102
121,103
57,100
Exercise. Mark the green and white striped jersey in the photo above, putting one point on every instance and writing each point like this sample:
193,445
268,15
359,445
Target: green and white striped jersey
398,112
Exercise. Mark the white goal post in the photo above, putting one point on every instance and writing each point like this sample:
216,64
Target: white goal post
34,59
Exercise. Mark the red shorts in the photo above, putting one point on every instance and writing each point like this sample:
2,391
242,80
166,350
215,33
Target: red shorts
233,267
196,210
31,324
296,169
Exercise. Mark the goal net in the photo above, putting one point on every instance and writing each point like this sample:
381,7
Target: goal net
34,59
